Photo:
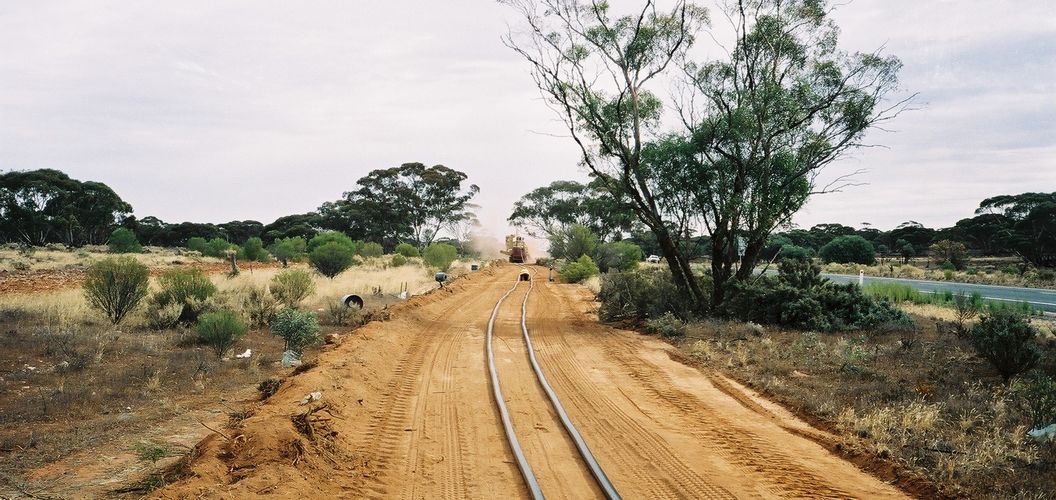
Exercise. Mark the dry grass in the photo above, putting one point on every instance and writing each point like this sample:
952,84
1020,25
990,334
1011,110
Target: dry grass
987,275
57,258
934,407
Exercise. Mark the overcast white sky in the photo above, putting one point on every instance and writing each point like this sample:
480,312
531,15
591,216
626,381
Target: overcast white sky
221,110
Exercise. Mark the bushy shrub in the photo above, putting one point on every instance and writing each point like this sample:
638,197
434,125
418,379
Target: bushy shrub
848,249
371,249
795,252
1006,340
259,306
572,242
220,330
799,271
116,286
338,314
189,288
826,307
332,258
197,244
326,237
618,255
217,247
123,240
641,295
298,329
1036,397
253,249
576,272
440,255
287,249
949,253
398,260
667,325
407,250
292,286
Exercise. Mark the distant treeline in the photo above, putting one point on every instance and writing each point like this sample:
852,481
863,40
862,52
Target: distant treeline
410,203
1022,225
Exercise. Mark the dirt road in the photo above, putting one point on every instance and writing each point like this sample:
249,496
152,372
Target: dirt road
406,412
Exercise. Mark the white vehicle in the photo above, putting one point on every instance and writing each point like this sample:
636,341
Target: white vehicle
653,259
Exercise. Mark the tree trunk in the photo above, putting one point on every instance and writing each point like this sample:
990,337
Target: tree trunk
681,271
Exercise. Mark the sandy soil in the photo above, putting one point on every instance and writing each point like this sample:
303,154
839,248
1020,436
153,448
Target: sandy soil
406,412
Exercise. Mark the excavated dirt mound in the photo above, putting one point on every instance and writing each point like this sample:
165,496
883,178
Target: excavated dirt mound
404,410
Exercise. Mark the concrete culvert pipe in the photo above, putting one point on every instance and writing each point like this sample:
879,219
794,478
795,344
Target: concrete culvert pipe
525,276
352,301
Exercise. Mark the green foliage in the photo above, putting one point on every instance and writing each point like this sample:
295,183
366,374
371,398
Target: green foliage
254,249
951,255
326,237
618,255
407,250
800,272
576,272
123,241
299,329
848,249
217,247
332,258
551,209
291,286
1006,340
220,330
187,288
572,242
116,286
1036,397
440,255
897,292
371,249
287,249
398,260
641,295
151,452
667,325
259,306
197,244
824,307
795,252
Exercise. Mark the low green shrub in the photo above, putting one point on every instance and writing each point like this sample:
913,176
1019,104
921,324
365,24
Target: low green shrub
220,330
617,255
440,255
407,250
188,288
286,249
848,249
581,269
331,259
398,260
218,247
116,286
259,306
641,295
253,249
1006,340
123,240
667,325
298,329
327,237
371,249
292,286
197,244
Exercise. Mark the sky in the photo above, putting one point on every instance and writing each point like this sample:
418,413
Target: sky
212,111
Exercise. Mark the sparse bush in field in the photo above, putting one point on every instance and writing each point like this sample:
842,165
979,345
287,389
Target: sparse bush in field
217,247
398,260
152,452
407,250
197,244
123,240
1006,340
331,259
259,306
576,272
220,330
287,249
1036,397
326,237
338,314
161,317
618,255
667,325
292,286
948,252
253,249
640,295
298,329
847,249
967,307
189,288
440,255
116,286
371,249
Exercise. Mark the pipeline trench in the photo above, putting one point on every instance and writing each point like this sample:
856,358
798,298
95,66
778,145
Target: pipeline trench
415,414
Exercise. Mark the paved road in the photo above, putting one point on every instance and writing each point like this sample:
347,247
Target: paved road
1037,297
